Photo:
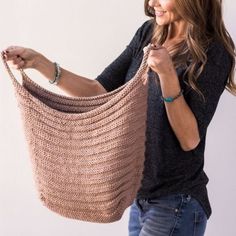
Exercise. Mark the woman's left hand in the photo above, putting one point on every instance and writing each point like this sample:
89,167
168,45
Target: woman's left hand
160,61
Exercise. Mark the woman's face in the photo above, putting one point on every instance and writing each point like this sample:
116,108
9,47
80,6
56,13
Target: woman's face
165,11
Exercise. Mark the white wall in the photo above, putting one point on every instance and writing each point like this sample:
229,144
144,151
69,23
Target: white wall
84,37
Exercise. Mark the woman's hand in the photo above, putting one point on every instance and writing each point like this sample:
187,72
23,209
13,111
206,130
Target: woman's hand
160,61
20,57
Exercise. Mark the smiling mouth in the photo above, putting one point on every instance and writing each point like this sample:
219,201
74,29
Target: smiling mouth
160,13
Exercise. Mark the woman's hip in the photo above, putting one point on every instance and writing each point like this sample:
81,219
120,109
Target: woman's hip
172,215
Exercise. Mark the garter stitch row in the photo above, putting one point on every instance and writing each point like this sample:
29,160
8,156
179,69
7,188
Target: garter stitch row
87,153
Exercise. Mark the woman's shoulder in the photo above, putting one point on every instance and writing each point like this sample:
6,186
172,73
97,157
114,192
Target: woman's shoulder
147,25
217,53
143,36
145,30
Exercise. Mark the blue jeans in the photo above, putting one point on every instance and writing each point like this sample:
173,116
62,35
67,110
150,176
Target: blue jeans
172,215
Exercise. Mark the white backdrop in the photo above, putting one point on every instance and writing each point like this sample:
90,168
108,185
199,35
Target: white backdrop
84,37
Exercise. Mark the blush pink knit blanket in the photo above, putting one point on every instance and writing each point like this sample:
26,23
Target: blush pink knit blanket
87,153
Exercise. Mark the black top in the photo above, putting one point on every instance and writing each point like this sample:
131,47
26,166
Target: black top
168,168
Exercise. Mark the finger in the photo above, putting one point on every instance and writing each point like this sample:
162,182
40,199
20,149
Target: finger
16,63
20,65
3,55
145,49
8,50
155,47
16,60
10,57
5,51
13,51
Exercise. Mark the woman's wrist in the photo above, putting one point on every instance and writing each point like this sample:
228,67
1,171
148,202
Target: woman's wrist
170,85
44,66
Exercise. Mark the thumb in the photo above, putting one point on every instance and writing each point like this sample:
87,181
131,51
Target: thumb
146,48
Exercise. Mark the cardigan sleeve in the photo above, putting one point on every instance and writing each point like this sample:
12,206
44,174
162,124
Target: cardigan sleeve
211,82
113,76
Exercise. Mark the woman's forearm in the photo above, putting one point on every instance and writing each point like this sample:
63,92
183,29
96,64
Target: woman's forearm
69,82
181,118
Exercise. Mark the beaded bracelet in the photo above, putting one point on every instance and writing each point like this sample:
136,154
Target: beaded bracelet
171,99
57,74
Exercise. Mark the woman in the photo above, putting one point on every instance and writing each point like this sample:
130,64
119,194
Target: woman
192,62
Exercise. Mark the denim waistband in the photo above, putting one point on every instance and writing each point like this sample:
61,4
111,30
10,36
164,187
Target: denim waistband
175,196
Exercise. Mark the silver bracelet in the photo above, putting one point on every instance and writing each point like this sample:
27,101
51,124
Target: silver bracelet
57,74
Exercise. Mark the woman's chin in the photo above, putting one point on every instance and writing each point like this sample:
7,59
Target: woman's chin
160,21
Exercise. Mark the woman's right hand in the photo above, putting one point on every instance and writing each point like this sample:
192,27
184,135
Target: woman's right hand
21,57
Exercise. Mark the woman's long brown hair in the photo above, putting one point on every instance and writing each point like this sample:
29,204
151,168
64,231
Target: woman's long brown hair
204,24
